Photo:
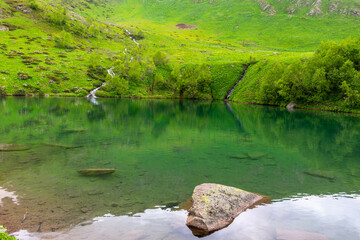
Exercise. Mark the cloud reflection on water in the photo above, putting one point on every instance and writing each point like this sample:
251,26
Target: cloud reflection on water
332,216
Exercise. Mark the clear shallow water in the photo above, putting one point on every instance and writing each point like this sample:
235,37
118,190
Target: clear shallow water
162,149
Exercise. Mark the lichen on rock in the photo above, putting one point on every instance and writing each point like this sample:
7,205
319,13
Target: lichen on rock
215,206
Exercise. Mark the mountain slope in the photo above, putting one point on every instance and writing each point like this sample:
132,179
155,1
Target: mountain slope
183,49
288,25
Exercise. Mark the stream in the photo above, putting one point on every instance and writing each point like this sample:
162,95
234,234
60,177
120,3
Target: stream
232,90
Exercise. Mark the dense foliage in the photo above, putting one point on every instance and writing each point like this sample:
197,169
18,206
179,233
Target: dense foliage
331,75
4,236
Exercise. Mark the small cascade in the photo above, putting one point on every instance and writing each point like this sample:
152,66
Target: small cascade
134,40
232,90
92,94
111,72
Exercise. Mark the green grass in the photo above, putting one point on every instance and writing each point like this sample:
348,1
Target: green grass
227,34
237,22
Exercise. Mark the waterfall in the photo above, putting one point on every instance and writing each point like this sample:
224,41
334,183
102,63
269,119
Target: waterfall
92,94
232,90
111,72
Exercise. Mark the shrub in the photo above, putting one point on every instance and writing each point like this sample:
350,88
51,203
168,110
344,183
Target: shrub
19,92
159,81
351,96
118,85
332,74
193,81
138,35
4,236
102,94
2,91
82,92
64,40
34,5
160,59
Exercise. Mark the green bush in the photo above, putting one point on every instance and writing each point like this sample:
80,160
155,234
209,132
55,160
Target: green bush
159,81
138,35
82,92
351,96
193,81
2,91
4,236
64,40
160,59
118,85
19,92
332,74
34,5
102,94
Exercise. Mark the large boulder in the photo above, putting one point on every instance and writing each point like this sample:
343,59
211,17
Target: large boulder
215,206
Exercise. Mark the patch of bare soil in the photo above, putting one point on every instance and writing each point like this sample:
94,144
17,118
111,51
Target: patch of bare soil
185,26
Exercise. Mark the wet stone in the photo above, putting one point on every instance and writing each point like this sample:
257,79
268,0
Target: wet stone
5,147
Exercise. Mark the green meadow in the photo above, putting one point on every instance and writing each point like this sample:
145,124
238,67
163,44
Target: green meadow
64,48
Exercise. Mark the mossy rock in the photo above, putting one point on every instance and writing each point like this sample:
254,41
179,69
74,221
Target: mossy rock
74,89
23,76
19,92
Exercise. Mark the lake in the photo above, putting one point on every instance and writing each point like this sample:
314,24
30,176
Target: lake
308,163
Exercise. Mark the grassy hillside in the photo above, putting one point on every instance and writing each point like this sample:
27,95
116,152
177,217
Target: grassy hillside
171,49
52,50
281,25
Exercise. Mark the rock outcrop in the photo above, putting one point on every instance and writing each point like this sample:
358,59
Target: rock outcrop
291,106
4,28
215,207
316,9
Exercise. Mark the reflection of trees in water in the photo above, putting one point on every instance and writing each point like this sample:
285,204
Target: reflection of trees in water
120,132
96,113
325,140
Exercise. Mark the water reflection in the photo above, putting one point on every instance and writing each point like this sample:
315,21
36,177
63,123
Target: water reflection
162,150
6,194
306,217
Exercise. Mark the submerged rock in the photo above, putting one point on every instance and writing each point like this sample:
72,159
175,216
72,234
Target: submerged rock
74,130
239,156
215,206
256,155
250,156
321,174
5,147
96,172
62,146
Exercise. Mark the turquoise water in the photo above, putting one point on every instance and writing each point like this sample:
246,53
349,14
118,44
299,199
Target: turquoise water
307,162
